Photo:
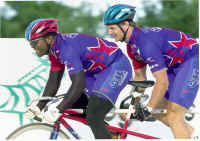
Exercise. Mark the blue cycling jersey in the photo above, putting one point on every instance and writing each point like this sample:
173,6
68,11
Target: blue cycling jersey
160,47
84,52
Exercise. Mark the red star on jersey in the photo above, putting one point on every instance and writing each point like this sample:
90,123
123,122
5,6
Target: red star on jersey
175,60
183,42
103,47
96,65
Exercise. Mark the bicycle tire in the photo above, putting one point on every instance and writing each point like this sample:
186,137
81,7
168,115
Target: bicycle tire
25,130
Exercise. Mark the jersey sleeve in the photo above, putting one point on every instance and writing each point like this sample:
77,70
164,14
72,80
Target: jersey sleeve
153,56
73,64
135,58
71,58
55,64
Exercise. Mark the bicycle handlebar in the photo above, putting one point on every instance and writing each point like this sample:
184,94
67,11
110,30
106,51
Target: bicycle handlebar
37,118
52,99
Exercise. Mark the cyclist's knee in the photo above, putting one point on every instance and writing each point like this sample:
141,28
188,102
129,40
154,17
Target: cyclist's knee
82,102
174,108
175,114
97,109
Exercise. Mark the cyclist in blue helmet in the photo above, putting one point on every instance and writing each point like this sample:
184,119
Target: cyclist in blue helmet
170,55
117,14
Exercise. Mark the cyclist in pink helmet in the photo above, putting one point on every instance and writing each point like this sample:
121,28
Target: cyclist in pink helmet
92,63
39,29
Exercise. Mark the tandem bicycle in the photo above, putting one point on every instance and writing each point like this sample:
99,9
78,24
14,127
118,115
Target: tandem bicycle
54,131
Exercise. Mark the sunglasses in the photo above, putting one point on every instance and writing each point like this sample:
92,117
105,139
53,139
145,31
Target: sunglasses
34,42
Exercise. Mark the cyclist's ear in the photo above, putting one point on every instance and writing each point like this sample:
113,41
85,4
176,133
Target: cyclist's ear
124,23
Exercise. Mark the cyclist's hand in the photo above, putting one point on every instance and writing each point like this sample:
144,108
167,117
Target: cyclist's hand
52,115
142,113
32,111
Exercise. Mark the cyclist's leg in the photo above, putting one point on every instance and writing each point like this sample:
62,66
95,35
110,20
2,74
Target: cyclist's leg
163,104
182,96
176,121
82,102
107,87
163,117
96,112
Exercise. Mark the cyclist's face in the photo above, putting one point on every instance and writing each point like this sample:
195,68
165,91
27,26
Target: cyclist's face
115,32
40,46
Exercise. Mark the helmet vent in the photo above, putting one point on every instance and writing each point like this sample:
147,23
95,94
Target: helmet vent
116,14
124,15
44,30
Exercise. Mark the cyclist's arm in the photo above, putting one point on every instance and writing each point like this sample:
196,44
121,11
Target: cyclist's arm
139,65
156,61
74,92
53,83
140,74
160,87
52,86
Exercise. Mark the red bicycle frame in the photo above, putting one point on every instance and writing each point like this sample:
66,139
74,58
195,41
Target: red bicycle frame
68,115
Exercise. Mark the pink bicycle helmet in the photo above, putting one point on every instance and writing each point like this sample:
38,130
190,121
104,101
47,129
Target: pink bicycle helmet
40,27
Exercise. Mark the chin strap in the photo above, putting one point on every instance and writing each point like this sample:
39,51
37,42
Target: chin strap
124,32
49,46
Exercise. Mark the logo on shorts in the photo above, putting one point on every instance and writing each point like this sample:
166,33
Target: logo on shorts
118,78
194,82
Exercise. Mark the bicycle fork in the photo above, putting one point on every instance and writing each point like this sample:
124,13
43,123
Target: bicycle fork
55,132
69,128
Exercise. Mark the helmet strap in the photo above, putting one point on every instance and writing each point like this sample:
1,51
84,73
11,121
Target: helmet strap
124,32
49,46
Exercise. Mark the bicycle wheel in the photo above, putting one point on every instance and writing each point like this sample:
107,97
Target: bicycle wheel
35,131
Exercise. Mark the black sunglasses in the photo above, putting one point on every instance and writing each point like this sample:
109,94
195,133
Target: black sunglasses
34,42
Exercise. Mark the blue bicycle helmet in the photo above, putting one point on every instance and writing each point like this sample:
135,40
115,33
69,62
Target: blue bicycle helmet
118,13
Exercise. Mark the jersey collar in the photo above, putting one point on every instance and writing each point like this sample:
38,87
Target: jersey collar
54,50
133,37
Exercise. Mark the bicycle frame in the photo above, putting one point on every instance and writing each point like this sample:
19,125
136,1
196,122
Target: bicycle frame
67,114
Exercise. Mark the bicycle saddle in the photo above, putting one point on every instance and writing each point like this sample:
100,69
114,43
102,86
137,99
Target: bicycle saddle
141,84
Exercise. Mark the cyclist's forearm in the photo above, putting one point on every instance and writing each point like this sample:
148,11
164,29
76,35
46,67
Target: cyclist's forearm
51,87
140,74
75,91
160,87
158,93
